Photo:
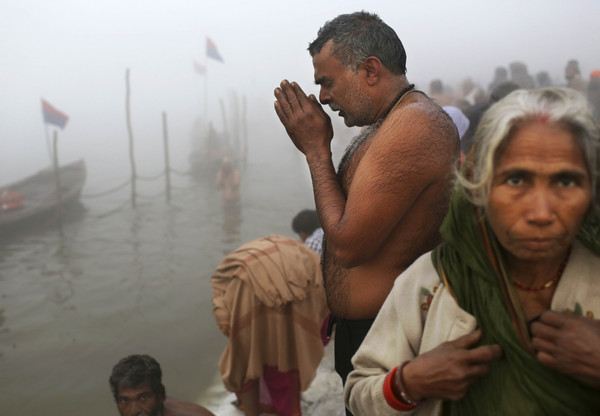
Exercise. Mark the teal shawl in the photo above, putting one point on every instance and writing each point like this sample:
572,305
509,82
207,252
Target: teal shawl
471,263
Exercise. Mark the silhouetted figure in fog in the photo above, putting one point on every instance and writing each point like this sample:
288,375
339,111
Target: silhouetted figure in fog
573,77
474,113
438,93
543,79
228,181
472,92
594,93
520,75
500,76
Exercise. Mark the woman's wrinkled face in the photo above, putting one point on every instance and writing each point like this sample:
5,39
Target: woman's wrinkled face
540,193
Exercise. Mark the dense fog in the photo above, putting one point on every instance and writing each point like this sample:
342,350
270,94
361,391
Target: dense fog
75,55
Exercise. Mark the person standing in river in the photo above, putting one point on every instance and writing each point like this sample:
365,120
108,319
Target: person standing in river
383,207
228,181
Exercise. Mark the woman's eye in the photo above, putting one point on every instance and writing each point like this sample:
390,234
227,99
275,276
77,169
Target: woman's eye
567,182
514,180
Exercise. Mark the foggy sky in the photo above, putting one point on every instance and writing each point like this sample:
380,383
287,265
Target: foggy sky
74,54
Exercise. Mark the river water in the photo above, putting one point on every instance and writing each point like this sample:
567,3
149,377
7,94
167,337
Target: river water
114,282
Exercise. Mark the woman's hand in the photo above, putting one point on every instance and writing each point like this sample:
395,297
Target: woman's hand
448,370
570,344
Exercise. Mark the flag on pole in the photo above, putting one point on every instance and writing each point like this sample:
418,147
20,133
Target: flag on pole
201,69
211,50
53,116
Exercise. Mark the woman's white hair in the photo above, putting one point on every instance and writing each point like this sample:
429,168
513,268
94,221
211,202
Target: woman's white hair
555,105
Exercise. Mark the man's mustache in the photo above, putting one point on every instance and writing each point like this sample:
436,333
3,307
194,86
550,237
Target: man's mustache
334,107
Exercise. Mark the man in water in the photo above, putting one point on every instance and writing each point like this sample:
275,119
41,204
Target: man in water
228,181
384,206
138,390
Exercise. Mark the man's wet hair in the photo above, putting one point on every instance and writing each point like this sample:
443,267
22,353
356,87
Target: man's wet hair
359,35
134,370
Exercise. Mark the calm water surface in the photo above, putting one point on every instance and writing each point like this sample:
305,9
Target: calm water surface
73,303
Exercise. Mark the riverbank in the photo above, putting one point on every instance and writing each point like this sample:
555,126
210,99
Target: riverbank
324,397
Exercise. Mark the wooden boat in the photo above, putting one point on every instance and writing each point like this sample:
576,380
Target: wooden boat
36,195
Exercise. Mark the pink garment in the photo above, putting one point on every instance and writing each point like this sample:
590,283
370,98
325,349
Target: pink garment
279,392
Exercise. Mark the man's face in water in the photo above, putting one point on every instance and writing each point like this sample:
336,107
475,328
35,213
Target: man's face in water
139,401
342,89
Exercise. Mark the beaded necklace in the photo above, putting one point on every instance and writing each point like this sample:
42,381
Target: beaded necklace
549,283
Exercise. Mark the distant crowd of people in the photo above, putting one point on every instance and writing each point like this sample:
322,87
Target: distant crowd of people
452,257
472,100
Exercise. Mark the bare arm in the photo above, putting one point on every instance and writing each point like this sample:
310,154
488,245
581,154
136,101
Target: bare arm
392,174
310,129
569,344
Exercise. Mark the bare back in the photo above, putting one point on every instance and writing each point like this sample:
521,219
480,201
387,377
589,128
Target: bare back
397,181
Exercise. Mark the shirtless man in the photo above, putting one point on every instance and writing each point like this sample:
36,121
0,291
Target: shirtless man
384,206
138,390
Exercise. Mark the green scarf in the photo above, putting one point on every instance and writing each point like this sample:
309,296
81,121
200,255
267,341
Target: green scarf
516,384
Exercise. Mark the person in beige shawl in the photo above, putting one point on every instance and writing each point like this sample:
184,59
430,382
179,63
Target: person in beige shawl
269,301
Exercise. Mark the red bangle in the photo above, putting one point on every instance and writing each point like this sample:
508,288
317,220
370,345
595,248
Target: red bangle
389,395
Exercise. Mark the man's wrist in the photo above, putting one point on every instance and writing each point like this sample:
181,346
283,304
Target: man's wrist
318,156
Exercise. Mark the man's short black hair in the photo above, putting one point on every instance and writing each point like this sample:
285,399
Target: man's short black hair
134,370
359,35
306,221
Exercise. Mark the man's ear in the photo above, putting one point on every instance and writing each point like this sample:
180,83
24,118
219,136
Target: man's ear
373,67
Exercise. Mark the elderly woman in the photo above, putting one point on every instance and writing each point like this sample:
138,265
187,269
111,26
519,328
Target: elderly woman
500,318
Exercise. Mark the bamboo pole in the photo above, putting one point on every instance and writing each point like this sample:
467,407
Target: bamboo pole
206,123
57,179
225,126
244,129
167,165
235,124
130,131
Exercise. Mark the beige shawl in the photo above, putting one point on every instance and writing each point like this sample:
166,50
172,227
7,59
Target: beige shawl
269,300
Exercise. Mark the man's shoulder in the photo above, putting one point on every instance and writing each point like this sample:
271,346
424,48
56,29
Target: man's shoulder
421,118
175,407
421,107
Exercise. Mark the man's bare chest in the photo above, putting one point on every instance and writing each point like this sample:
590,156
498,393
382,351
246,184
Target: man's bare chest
350,164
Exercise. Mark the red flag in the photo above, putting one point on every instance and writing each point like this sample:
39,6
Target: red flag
201,69
211,50
53,116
